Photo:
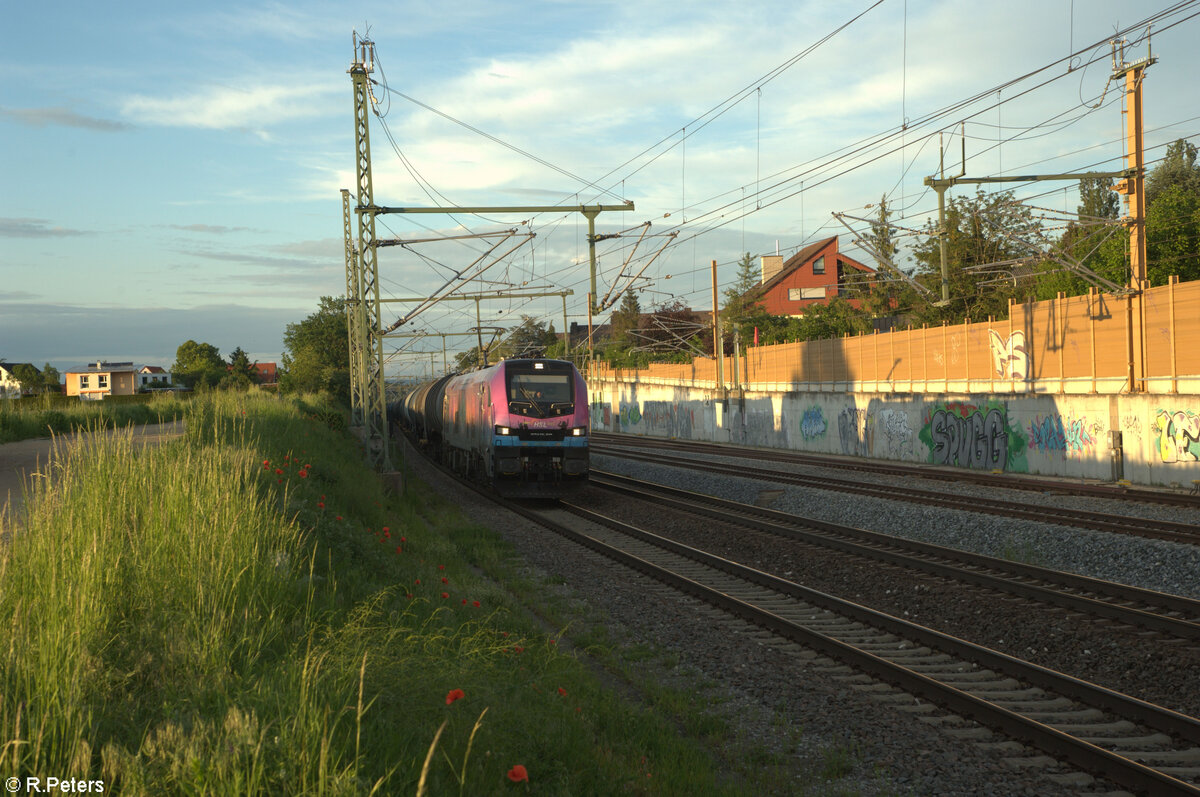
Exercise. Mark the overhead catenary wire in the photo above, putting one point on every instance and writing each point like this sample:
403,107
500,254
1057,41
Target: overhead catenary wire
707,219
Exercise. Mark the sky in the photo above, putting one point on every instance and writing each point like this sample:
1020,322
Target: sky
173,171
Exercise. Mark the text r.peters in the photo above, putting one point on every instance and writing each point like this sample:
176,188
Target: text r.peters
62,786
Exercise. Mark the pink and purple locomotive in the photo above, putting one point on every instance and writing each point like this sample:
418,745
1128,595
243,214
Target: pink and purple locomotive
520,425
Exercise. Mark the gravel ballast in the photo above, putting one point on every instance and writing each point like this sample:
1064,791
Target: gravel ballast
828,733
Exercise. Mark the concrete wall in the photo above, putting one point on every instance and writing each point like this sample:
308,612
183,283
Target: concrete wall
1059,435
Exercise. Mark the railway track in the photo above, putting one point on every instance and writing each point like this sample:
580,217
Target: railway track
1140,746
1121,524
1174,616
1135,744
1004,480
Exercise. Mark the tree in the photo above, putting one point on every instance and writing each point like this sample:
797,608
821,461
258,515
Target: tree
51,378
1177,168
626,319
879,297
241,374
530,339
30,378
1173,215
974,229
198,364
1172,227
317,356
737,307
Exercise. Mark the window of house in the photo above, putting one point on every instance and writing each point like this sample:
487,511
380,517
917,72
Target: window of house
102,380
83,381
819,265
796,294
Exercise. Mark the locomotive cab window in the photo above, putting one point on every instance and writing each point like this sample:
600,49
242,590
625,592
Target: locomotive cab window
540,389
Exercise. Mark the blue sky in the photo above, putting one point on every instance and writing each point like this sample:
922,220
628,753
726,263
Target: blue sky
172,171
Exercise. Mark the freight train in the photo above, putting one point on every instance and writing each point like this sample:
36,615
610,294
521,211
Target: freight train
520,426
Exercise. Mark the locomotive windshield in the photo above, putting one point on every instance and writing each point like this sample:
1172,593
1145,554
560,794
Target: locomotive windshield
541,392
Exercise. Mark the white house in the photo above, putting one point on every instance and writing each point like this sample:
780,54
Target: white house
10,387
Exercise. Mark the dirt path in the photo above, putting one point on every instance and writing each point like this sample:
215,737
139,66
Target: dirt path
22,461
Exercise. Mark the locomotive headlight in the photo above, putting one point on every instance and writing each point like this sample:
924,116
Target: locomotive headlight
503,430
579,431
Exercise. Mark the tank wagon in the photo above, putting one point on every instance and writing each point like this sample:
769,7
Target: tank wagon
520,425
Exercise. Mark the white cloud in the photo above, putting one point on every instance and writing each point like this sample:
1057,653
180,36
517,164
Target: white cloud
223,107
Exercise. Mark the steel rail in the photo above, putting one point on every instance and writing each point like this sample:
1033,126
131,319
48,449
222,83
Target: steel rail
1116,492
976,569
1120,524
1122,770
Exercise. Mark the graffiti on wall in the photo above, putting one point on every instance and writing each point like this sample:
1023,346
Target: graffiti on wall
1008,355
973,436
631,415
812,424
1132,425
897,434
1178,435
668,418
758,428
1071,436
855,430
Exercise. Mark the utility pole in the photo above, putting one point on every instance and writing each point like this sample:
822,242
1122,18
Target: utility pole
1133,187
370,341
353,329
367,345
718,344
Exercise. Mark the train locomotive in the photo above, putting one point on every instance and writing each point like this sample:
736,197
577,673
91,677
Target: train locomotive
520,426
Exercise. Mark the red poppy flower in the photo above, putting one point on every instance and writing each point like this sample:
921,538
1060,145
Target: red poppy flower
279,471
339,517
454,694
445,594
562,691
303,474
518,649
418,581
321,504
464,601
445,580
408,595
266,463
476,605
441,567
399,549
518,774
404,539
385,529
387,535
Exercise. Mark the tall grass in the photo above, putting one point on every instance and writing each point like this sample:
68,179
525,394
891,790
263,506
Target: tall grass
200,618
49,414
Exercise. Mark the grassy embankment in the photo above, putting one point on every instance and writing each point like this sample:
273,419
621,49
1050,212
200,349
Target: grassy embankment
243,611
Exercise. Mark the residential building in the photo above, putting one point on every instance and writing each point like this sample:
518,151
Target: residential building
99,379
266,373
814,275
153,376
10,386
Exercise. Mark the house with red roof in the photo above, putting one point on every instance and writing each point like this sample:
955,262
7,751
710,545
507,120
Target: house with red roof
815,275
